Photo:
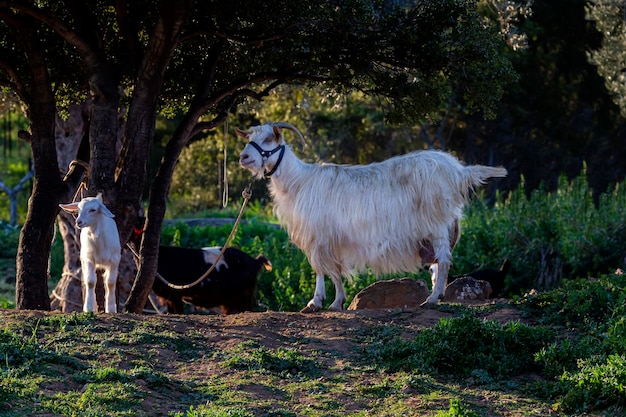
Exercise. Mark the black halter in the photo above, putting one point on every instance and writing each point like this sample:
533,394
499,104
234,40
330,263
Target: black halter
266,154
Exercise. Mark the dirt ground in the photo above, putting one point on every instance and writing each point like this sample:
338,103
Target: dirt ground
323,329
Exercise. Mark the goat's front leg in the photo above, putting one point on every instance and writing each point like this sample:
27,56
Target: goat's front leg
110,300
320,295
89,281
340,295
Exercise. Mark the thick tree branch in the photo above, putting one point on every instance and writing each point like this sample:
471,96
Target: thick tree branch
16,83
127,29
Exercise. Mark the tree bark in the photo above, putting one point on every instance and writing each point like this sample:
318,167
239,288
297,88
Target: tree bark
31,290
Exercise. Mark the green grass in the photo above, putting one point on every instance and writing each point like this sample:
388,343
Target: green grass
284,362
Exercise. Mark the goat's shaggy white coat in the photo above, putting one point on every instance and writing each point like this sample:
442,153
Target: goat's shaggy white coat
392,216
99,248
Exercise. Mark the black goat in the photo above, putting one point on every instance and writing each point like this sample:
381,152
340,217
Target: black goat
230,286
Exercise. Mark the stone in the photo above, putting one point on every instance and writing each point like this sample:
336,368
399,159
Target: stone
397,293
467,289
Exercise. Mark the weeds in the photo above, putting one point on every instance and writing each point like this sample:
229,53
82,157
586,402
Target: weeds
457,409
213,411
598,383
466,346
284,362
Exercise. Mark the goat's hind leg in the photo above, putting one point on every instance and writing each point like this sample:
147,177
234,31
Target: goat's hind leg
110,281
439,271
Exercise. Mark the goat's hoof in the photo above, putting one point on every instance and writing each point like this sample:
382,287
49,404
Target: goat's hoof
335,308
311,308
428,304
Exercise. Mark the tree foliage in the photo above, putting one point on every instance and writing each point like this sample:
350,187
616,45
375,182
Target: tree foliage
610,59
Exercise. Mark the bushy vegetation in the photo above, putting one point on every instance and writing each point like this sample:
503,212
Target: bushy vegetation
465,346
589,358
548,236
577,347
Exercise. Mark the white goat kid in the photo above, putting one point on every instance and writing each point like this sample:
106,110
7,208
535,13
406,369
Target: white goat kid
392,216
99,248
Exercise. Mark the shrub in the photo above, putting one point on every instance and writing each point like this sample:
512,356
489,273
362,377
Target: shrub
588,359
457,409
596,384
466,346
580,304
547,236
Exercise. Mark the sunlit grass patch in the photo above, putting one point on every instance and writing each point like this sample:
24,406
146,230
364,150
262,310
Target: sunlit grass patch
285,362
97,399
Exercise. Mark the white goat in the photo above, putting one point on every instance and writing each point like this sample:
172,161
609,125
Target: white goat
99,248
392,216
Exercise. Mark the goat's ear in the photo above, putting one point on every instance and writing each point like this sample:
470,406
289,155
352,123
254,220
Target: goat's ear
242,133
71,208
104,210
99,197
277,133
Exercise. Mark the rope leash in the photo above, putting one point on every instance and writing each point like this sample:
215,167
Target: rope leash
247,194
83,183
65,300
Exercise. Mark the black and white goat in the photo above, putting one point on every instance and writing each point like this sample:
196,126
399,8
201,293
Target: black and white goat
99,248
231,286
392,216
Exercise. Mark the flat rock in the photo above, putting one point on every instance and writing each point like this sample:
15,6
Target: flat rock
397,293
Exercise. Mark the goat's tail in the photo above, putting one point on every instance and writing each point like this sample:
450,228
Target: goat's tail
478,174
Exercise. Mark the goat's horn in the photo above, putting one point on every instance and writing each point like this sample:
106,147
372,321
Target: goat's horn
284,125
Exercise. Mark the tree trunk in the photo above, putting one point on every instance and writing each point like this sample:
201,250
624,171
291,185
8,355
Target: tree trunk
31,290
156,213
141,126
103,129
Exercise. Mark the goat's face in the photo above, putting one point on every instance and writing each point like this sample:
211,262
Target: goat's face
88,209
261,154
